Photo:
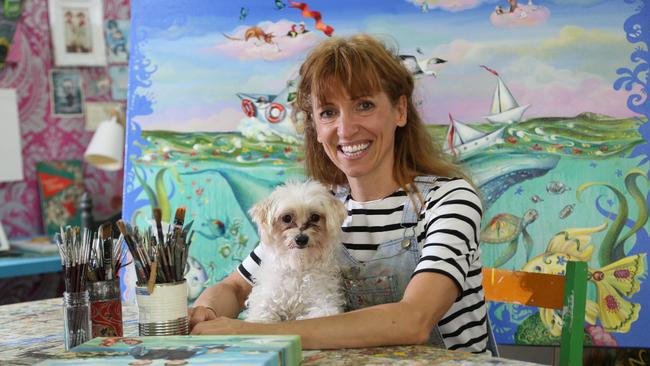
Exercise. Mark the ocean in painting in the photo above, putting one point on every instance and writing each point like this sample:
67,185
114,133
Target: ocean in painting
219,176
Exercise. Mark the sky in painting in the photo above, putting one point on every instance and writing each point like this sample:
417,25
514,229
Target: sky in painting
560,57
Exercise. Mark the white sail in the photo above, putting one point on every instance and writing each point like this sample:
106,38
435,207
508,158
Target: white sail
504,109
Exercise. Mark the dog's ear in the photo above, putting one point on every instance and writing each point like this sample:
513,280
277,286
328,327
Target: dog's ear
337,212
260,211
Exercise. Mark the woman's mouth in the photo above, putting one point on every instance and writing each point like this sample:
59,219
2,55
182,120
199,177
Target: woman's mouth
354,150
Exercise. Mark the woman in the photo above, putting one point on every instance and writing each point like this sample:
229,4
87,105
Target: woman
411,248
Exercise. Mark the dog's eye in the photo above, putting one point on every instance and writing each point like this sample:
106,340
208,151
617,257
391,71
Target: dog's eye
287,219
314,217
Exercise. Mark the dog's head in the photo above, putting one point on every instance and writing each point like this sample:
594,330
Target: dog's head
300,219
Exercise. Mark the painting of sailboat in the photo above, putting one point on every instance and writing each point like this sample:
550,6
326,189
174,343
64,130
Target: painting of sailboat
463,140
505,109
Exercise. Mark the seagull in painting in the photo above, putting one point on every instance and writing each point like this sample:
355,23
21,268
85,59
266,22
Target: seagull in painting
243,13
421,68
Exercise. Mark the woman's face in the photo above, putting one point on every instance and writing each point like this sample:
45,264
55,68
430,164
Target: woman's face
358,133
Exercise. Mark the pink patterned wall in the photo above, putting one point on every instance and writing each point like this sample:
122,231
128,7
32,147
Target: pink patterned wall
45,137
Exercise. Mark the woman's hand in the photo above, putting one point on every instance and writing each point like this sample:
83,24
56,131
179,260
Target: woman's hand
200,314
223,325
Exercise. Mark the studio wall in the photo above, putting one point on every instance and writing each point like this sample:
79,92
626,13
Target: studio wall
43,136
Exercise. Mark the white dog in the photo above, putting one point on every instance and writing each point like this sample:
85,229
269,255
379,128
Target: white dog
300,226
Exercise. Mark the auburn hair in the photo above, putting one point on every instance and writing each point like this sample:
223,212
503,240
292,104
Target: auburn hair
360,66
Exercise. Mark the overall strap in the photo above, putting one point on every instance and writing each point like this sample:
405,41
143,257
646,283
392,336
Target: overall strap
410,218
411,213
341,192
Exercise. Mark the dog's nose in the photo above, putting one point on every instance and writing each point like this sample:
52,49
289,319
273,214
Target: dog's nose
301,240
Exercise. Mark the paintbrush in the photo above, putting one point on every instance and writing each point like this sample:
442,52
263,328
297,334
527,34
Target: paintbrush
106,230
157,216
152,277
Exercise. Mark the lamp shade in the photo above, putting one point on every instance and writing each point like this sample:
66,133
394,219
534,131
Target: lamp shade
106,146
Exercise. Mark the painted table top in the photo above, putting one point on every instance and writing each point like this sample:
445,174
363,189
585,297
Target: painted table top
33,331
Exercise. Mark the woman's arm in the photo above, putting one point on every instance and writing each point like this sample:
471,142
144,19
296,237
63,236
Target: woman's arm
223,299
427,298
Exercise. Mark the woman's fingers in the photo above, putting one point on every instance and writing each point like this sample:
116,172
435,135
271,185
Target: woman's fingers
200,314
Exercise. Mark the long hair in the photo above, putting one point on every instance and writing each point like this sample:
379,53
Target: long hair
362,65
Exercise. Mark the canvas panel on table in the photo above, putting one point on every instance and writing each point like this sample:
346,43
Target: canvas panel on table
11,168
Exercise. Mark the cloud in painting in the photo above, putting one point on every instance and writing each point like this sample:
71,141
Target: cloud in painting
281,45
578,2
449,5
561,76
522,16
226,119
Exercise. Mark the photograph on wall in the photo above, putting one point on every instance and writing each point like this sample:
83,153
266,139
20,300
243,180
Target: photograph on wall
117,40
98,112
77,32
119,81
98,87
522,94
66,93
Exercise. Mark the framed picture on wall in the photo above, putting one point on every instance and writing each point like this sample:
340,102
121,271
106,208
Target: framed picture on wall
117,40
77,32
66,93
119,81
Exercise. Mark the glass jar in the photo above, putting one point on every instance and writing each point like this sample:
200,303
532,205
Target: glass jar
76,318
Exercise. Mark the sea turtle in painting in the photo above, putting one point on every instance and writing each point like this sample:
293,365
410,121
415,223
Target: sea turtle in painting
506,228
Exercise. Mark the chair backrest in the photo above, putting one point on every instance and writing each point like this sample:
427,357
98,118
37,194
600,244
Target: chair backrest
566,293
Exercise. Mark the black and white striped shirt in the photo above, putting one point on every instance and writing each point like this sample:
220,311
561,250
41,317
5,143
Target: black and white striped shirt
447,233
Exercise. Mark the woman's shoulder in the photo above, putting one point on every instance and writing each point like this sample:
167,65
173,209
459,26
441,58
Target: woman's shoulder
438,182
445,186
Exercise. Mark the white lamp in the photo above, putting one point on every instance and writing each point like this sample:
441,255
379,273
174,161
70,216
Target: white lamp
106,147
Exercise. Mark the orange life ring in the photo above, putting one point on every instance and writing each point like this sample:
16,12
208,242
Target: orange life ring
275,113
248,107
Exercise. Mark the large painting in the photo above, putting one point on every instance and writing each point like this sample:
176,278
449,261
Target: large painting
544,102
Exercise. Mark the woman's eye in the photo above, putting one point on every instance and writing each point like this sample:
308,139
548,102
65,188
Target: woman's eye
314,217
287,219
327,115
366,105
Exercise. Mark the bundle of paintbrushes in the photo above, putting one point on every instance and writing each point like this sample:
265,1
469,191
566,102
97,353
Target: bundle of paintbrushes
74,250
159,257
106,259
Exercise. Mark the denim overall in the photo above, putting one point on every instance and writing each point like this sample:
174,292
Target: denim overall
384,278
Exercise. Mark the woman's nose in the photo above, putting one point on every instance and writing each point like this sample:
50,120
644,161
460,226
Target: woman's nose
347,125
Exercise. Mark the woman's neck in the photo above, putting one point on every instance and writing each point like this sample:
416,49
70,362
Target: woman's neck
365,190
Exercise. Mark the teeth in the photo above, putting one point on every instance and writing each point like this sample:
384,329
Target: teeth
351,149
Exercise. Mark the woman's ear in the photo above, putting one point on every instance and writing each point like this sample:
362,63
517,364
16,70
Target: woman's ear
402,110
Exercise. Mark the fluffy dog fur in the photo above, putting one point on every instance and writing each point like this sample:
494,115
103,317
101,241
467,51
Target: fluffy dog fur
300,226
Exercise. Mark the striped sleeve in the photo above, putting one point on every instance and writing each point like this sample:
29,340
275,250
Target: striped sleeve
250,265
452,224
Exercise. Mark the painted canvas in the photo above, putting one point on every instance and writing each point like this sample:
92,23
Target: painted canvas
188,350
543,101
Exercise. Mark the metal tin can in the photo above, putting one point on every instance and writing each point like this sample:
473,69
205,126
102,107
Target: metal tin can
164,310
105,308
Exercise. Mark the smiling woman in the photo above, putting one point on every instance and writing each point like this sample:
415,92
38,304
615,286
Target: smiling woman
409,257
